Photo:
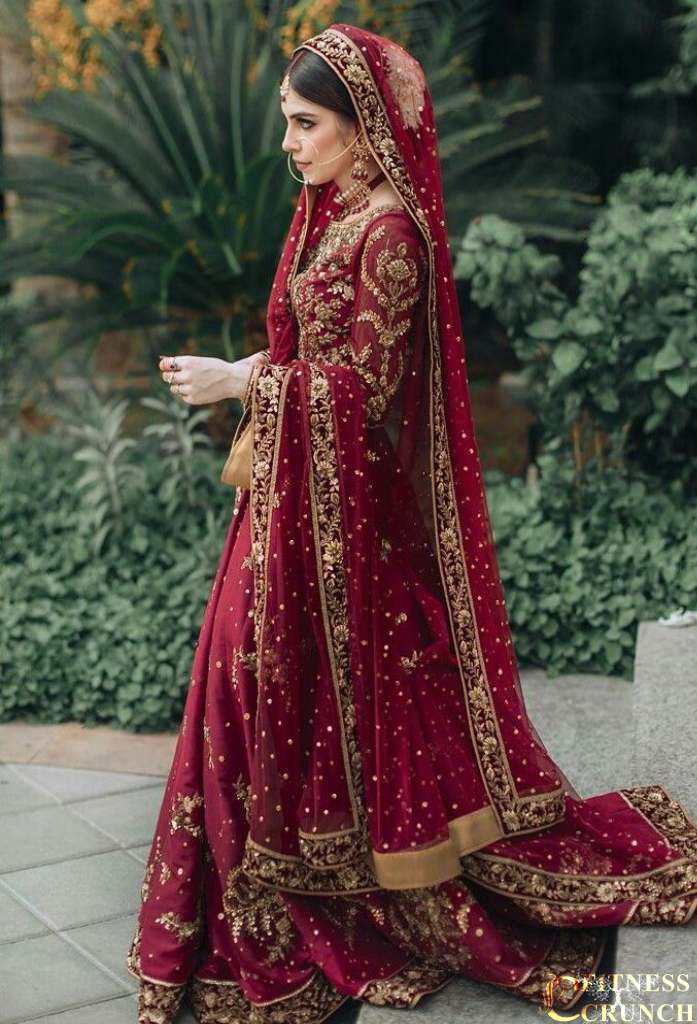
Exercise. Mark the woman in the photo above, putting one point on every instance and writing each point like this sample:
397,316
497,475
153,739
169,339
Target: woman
358,803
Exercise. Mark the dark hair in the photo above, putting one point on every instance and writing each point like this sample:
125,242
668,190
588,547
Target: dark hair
313,78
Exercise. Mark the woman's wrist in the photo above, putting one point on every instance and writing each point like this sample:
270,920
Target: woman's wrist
240,375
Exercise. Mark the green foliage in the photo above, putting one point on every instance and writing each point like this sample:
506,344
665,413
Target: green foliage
107,638
581,567
110,639
624,353
173,199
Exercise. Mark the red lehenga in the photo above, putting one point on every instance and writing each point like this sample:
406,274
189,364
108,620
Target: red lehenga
358,803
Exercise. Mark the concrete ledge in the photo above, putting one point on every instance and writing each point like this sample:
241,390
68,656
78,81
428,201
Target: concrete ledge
665,710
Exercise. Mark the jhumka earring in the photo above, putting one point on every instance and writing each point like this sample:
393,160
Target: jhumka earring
356,198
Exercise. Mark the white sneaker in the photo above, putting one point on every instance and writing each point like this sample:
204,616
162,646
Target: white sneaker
679,618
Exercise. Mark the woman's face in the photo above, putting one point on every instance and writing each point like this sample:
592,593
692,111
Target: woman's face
314,136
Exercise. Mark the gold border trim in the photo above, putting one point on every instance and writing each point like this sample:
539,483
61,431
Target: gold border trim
412,869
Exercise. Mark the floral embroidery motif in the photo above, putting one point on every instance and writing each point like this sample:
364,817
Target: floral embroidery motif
213,1002
407,986
537,890
294,874
416,913
165,871
183,808
320,320
255,909
182,929
156,1000
395,286
409,663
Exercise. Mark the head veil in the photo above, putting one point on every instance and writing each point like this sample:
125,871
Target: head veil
432,429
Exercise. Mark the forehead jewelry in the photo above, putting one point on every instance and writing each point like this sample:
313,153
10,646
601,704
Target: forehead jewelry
285,86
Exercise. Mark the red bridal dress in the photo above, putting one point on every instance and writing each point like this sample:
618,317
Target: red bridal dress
358,804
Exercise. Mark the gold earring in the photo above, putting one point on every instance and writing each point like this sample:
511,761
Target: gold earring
356,198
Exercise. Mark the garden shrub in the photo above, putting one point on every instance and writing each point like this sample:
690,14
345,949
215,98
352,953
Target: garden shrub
102,638
583,564
624,353
109,638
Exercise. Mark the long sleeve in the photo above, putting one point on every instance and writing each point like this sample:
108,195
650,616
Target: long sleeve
388,285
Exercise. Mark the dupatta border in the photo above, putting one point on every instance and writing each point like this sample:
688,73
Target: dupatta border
325,505
516,813
673,881
345,854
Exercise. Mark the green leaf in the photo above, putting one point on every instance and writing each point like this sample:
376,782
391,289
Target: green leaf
568,356
679,383
587,325
668,358
544,329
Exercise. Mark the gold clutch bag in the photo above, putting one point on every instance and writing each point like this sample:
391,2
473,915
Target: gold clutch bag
237,471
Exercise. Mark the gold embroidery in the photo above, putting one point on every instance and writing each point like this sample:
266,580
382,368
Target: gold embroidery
243,792
337,242
385,548
283,871
426,923
575,952
410,662
516,813
156,1000
182,929
395,286
259,911
665,894
405,987
182,811
320,322
268,397
214,1001
327,526
332,864
207,737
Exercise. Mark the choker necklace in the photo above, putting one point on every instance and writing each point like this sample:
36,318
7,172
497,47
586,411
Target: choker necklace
356,198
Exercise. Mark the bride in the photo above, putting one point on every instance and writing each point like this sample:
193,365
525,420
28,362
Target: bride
358,804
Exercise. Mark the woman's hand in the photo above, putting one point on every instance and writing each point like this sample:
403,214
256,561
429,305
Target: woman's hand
199,380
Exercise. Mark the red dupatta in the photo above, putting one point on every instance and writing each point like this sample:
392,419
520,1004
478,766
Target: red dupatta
311,519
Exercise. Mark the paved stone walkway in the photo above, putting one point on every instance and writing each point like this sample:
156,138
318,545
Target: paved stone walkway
75,834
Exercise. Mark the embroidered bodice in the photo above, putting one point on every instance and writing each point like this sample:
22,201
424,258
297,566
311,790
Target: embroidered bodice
355,295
